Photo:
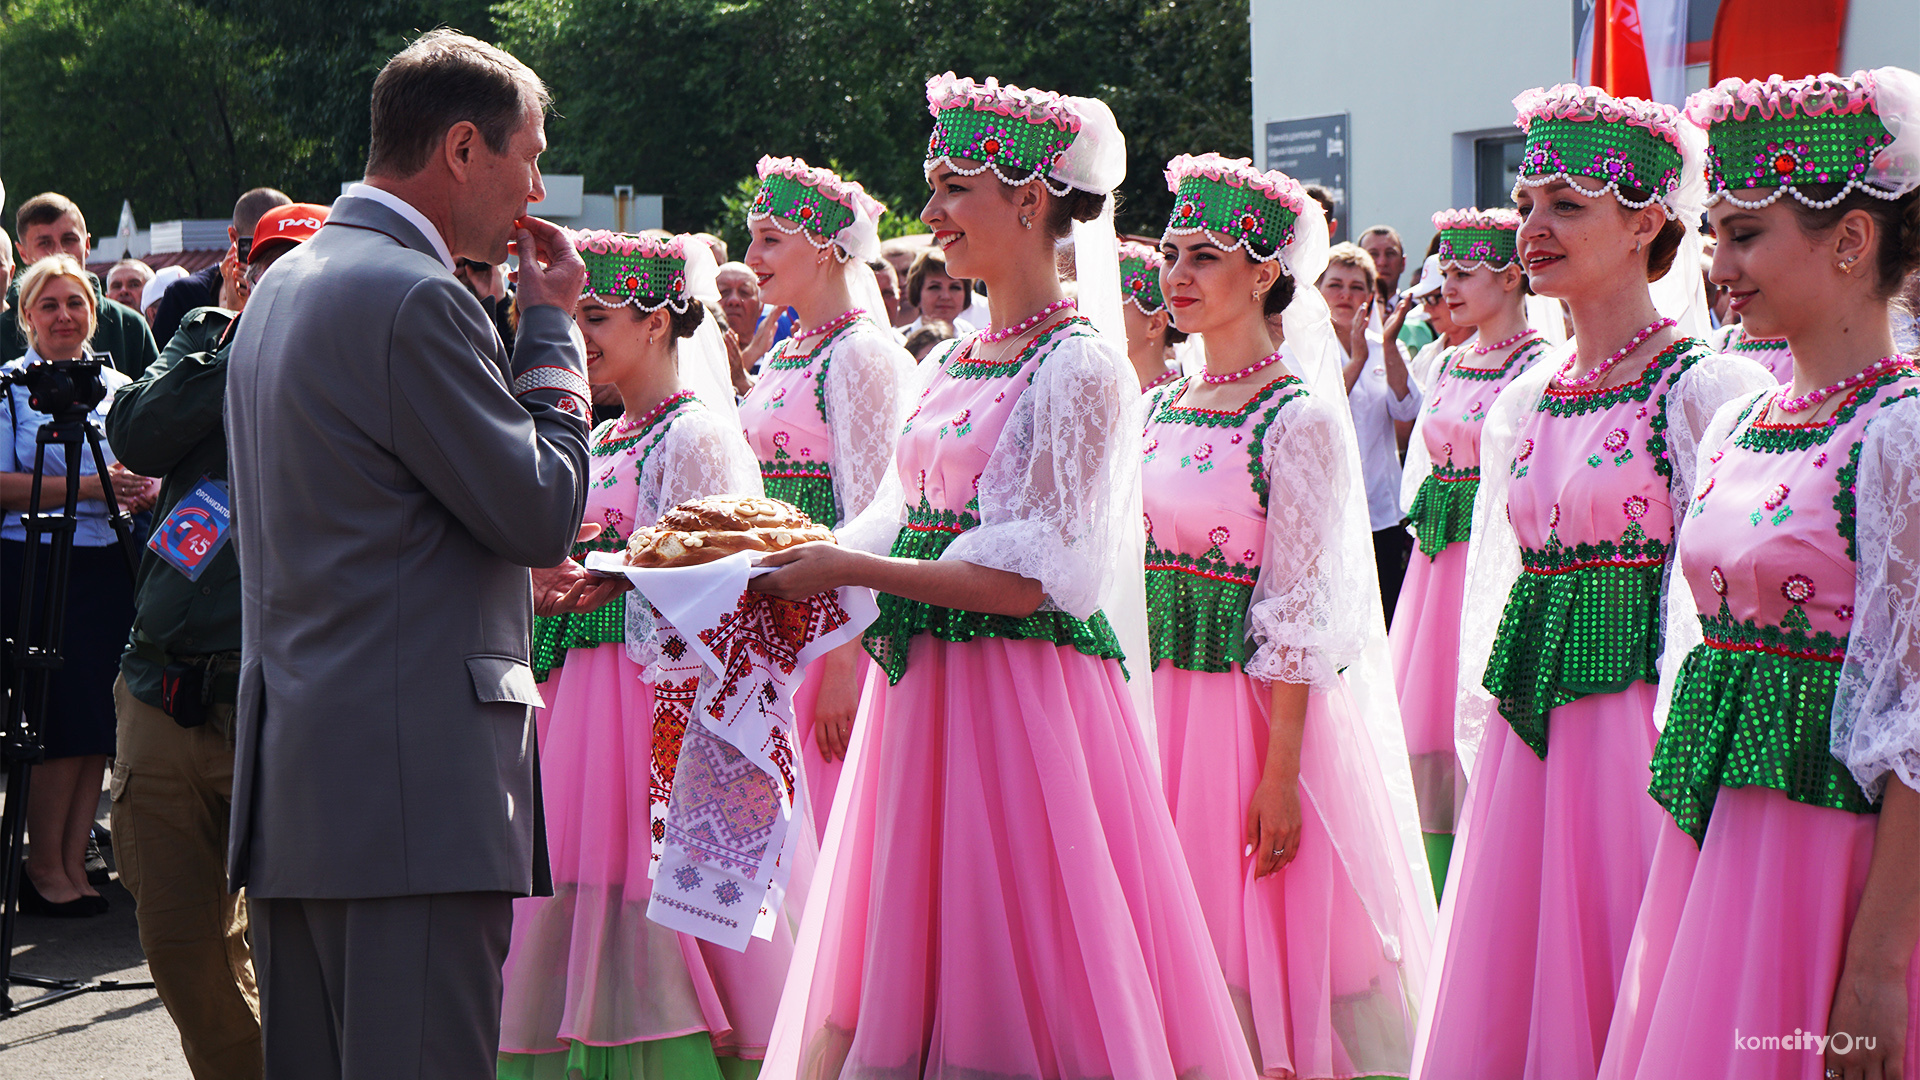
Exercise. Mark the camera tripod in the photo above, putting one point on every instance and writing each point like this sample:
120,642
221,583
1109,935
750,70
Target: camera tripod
67,390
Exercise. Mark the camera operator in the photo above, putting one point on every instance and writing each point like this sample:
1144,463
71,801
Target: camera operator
58,316
173,779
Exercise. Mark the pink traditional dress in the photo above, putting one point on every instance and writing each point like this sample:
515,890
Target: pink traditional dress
1559,832
1245,578
1774,354
1763,857
822,421
1002,893
592,987
1425,636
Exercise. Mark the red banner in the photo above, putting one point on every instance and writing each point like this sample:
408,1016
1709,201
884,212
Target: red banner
1753,39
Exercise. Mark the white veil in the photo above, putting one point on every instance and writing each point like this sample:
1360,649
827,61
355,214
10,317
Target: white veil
1314,353
1097,162
703,357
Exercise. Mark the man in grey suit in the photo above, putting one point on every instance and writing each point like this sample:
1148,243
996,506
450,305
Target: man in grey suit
393,480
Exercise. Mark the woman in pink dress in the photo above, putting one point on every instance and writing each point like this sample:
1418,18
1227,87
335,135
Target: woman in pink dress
1262,606
1777,937
1483,288
1001,892
825,414
593,988
1572,531
1151,334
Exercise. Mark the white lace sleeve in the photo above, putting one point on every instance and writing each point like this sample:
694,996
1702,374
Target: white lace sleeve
1696,396
1694,403
1493,555
1876,711
700,455
873,529
1303,620
1681,629
865,389
1051,499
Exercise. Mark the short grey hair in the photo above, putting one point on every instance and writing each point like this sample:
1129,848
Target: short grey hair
442,79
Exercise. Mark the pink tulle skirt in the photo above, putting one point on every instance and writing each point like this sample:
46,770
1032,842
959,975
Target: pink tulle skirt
1316,992
1002,894
822,776
1743,938
1425,641
586,964
1547,877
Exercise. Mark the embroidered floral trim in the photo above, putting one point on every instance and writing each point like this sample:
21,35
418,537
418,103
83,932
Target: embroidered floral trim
960,367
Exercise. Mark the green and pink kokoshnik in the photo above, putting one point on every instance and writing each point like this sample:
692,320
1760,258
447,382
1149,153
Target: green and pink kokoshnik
639,271
1474,238
1228,196
1771,137
819,202
1017,133
1140,277
1582,131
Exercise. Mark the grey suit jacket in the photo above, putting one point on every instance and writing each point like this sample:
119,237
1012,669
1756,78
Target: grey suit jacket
393,478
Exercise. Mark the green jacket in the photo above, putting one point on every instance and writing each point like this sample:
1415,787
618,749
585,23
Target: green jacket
121,333
169,423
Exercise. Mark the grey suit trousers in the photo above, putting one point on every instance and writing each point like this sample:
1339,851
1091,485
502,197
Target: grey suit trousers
382,988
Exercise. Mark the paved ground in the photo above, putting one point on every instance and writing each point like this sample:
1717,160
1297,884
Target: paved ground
112,1035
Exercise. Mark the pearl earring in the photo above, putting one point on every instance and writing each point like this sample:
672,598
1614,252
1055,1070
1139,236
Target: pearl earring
1026,222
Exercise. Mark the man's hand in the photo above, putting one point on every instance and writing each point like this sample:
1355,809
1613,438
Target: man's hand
569,589
550,270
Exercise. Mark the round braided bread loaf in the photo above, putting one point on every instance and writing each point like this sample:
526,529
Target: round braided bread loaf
705,530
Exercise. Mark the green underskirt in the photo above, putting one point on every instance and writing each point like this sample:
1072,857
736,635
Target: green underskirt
685,1057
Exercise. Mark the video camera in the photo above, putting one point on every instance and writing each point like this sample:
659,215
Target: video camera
63,389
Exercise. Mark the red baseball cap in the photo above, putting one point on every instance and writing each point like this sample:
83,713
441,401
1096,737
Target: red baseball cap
293,223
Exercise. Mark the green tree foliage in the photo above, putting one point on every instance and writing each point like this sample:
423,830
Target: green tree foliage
182,104
143,99
681,97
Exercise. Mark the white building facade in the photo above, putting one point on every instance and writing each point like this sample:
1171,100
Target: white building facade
1411,105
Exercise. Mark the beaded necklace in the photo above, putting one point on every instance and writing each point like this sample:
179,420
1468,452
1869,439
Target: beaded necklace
786,355
1600,370
1525,349
1166,377
628,424
830,325
1813,398
994,337
1482,350
1269,360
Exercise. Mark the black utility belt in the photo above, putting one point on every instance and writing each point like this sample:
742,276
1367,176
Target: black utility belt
190,686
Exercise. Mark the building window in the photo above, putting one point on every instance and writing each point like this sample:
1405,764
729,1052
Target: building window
1496,165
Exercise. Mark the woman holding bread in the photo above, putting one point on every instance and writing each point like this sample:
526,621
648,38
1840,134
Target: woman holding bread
825,414
592,986
1002,892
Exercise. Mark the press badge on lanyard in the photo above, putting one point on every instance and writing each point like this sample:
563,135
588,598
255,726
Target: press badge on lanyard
196,530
